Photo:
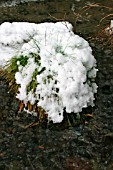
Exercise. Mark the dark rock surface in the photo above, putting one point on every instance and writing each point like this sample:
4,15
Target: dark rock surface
86,147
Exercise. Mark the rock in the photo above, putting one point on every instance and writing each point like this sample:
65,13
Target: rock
108,139
75,163
106,89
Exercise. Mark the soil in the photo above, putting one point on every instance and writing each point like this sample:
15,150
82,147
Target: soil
87,146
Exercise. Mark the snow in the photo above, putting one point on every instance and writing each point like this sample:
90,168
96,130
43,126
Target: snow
65,58
111,24
11,3
109,30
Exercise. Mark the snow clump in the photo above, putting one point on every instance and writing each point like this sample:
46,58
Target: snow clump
60,69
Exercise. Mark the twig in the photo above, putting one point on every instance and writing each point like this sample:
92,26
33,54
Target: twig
58,19
106,17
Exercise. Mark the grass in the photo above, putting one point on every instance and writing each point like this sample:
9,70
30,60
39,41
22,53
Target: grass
9,74
33,84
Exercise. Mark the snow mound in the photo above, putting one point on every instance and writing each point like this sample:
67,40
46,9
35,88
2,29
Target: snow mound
60,69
